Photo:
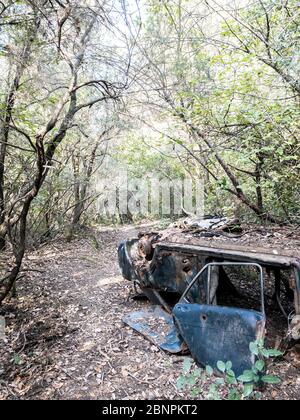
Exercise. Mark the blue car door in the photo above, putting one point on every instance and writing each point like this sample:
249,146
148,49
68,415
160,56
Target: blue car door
214,333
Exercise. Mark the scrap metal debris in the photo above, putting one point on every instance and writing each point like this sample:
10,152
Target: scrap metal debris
64,335
165,263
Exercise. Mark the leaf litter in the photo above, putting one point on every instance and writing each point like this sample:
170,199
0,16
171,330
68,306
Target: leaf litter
65,339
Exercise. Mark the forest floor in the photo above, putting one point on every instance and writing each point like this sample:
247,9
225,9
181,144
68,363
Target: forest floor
65,338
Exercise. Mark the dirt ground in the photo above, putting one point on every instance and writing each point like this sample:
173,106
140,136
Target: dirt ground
65,338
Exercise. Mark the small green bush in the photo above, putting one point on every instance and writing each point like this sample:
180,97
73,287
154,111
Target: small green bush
228,386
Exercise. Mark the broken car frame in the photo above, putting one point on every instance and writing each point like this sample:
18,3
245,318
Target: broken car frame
183,280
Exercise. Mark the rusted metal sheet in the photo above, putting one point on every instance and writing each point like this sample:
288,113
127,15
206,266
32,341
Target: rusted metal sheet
163,263
294,328
297,287
214,333
158,326
173,265
232,254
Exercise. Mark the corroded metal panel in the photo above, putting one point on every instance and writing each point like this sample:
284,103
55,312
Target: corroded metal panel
158,326
214,333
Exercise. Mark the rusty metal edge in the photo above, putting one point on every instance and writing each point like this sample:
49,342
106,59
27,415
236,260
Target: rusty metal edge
230,254
264,259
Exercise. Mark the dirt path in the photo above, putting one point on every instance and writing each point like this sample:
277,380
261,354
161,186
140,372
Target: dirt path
65,336
71,341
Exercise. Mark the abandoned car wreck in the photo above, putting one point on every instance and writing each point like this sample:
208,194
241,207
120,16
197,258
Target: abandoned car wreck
215,288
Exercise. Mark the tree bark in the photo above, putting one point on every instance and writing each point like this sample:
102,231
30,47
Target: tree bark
237,190
9,104
43,163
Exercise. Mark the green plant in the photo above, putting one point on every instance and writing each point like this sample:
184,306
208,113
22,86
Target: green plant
256,376
227,385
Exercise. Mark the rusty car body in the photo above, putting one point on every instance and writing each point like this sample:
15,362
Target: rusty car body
195,303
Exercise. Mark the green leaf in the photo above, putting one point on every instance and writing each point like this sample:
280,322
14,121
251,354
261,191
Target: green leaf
254,348
187,364
178,141
256,378
230,379
181,382
230,373
192,380
221,366
234,395
272,353
17,360
260,342
228,365
196,392
247,376
260,365
220,381
270,379
209,370
265,353
248,389
197,373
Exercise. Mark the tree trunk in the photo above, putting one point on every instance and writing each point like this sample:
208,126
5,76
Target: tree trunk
9,104
237,190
